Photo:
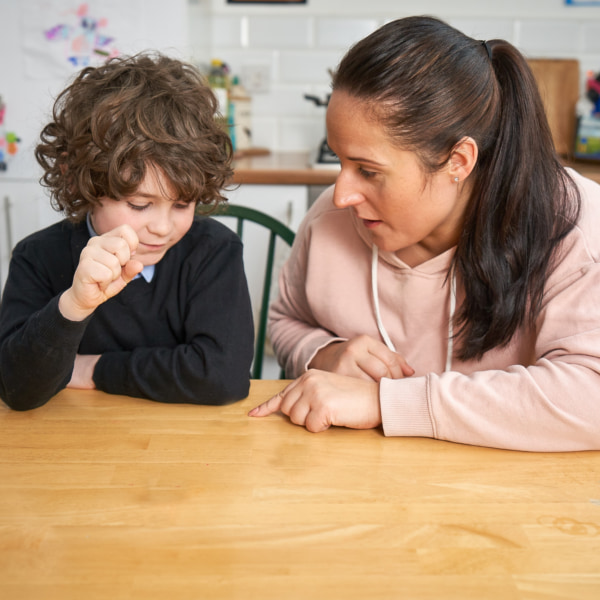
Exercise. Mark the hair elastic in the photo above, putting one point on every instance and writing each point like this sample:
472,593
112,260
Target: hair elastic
487,48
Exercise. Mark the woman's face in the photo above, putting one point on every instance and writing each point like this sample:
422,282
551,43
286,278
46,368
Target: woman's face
403,210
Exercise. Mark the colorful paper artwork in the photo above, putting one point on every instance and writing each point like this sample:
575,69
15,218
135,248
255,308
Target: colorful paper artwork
8,140
65,35
85,39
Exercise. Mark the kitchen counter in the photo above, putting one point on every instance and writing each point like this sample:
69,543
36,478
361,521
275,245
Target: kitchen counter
291,168
588,169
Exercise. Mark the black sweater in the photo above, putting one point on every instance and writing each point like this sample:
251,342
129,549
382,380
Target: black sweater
187,336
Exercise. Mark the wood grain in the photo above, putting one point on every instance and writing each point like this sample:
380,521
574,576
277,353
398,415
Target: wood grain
558,82
283,168
115,497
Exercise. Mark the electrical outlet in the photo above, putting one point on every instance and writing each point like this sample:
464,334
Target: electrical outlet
256,78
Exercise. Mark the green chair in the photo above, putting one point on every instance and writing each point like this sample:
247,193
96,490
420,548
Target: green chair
276,230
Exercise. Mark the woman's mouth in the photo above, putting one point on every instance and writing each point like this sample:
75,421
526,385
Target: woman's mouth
371,223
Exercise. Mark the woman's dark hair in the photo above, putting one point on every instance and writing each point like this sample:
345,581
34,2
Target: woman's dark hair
430,86
133,113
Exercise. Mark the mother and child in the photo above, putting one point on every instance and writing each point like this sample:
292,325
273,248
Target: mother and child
447,286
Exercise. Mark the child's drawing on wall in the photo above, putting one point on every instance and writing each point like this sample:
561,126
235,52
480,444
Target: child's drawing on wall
61,36
8,140
86,40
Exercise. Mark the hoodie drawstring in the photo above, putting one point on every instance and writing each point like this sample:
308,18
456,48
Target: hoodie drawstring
380,325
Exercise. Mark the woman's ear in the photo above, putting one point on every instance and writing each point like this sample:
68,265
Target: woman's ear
463,159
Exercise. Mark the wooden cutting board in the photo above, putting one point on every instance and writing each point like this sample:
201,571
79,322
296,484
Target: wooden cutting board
558,82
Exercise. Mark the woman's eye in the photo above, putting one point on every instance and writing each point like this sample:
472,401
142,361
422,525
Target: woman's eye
366,174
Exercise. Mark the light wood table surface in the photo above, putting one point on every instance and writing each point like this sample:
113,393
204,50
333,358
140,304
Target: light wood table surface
110,497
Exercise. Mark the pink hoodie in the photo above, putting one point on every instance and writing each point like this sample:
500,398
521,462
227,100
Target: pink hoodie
541,392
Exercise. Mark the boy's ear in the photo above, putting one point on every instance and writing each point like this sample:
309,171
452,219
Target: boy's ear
463,159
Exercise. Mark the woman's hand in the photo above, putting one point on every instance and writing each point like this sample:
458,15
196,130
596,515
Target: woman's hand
105,268
317,400
363,357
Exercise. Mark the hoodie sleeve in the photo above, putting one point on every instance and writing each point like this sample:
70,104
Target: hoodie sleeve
293,329
550,405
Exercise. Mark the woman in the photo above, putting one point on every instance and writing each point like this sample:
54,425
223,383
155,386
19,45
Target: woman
448,285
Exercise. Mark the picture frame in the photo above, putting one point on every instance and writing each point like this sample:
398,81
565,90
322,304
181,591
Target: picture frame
267,1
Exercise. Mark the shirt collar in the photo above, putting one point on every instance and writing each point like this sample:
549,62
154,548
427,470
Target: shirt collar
147,272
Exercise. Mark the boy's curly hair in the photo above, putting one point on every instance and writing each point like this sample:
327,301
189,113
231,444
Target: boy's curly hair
133,113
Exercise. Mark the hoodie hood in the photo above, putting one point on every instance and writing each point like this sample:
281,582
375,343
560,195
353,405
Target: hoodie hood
434,266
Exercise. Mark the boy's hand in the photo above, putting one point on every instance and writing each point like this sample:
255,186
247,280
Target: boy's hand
105,267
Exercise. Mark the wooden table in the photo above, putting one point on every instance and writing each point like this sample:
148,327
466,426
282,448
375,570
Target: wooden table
110,497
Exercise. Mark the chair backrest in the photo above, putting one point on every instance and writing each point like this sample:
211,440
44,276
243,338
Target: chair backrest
276,229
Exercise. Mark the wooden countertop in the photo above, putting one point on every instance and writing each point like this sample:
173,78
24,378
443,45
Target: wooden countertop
114,497
292,168
590,169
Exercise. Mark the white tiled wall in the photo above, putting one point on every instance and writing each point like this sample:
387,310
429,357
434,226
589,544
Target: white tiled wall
299,44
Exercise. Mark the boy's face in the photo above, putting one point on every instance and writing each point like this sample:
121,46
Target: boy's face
158,221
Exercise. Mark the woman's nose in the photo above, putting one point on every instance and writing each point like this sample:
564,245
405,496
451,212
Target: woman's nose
345,194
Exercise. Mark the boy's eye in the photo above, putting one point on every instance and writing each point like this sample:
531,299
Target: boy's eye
137,206
181,205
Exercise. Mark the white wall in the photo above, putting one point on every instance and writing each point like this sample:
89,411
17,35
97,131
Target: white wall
24,206
160,25
299,43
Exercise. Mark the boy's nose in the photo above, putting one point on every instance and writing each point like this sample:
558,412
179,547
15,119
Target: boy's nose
160,225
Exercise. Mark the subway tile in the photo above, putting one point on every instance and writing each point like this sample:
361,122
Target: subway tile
297,135
308,67
591,38
485,29
264,133
280,102
336,32
548,38
227,31
279,32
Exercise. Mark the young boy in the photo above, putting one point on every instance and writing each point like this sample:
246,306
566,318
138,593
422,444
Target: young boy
131,293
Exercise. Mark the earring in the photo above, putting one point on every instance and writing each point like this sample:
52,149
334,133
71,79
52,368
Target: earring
456,180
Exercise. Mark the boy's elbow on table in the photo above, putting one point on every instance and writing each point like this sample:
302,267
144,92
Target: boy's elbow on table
225,391
22,403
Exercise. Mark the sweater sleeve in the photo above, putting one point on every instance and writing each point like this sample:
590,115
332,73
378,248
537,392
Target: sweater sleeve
212,364
550,405
37,344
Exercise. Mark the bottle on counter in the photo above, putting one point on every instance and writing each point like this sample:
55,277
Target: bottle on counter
240,116
218,79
